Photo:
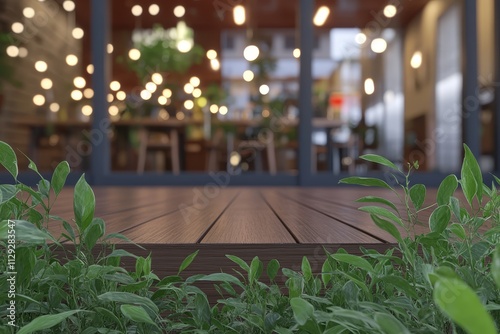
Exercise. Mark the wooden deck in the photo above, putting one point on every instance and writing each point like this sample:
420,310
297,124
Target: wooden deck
283,223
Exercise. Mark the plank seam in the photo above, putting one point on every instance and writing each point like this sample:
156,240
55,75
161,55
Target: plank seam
339,220
279,218
204,234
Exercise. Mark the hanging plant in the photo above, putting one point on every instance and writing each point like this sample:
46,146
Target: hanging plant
165,50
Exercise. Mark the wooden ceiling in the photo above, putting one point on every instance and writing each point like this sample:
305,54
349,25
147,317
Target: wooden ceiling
217,14
209,17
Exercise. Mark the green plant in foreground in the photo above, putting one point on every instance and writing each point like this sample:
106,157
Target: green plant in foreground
441,279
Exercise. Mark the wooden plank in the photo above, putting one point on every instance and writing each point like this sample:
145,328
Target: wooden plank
188,224
310,226
248,220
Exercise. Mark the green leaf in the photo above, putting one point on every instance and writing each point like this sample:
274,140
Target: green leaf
458,230
389,324
302,310
25,231
455,208
136,314
240,262
121,253
273,268
495,266
306,269
59,177
44,188
8,159
256,268
402,284
83,204
379,160
388,227
471,177
417,195
326,272
202,312
375,199
46,321
459,302
354,260
446,190
94,232
128,298
365,181
187,261
222,277
7,192
439,219
383,212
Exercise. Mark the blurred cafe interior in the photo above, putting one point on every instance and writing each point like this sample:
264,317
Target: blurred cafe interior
288,90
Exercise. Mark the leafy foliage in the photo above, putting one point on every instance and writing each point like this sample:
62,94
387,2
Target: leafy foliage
446,280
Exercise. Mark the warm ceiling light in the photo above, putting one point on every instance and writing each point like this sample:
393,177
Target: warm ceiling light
136,10
214,109
239,15
251,52
379,45
79,82
163,114
134,54
157,78
154,9
12,51
162,100
201,102
211,54
360,38
109,48
184,45
167,93
110,98
46,83
23,52
39,100
41,66
196,92
54,107
223,110
215,64
188,88
180,116
248,75
121,95
321,16
71,60
88,93
179,11
150,86
77,33
416,60
145,94
90,69
296,53
264,89
113,110
76,95
68,5
114,86
188,104
195,81
17,27
390,11
369,86
28,12
87,110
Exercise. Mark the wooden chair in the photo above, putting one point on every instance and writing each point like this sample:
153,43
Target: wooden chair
161,143
259,146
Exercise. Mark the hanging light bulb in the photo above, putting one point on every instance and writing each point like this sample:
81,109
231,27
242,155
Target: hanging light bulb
251,52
